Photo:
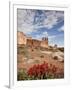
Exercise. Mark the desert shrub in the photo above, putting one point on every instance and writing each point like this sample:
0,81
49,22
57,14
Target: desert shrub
42,56
32,50
61,49
55,57
22,75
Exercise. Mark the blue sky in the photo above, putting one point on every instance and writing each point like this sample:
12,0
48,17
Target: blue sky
42,23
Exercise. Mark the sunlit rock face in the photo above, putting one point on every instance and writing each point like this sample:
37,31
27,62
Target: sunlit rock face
21,38
44,42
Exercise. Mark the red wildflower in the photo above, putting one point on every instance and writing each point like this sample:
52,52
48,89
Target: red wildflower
41,69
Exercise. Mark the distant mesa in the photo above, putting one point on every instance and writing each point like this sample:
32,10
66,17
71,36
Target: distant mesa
23,39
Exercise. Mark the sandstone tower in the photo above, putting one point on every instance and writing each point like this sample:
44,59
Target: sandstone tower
44,42
21,38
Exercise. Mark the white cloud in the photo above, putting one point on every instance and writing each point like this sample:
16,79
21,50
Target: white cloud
25,29
39,36
61,29
25,19
45,34
56,39
52,18
52,37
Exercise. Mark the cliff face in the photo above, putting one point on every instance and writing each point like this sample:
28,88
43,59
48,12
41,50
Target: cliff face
21,38
33,42
44,44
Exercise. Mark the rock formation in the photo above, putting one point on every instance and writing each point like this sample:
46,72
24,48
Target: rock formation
21,38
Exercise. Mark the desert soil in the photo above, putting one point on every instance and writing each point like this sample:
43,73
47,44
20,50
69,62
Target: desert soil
28,56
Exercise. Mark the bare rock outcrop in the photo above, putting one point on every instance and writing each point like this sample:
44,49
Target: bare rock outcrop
21,38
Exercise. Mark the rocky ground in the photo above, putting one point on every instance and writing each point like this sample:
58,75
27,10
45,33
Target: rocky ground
28,56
